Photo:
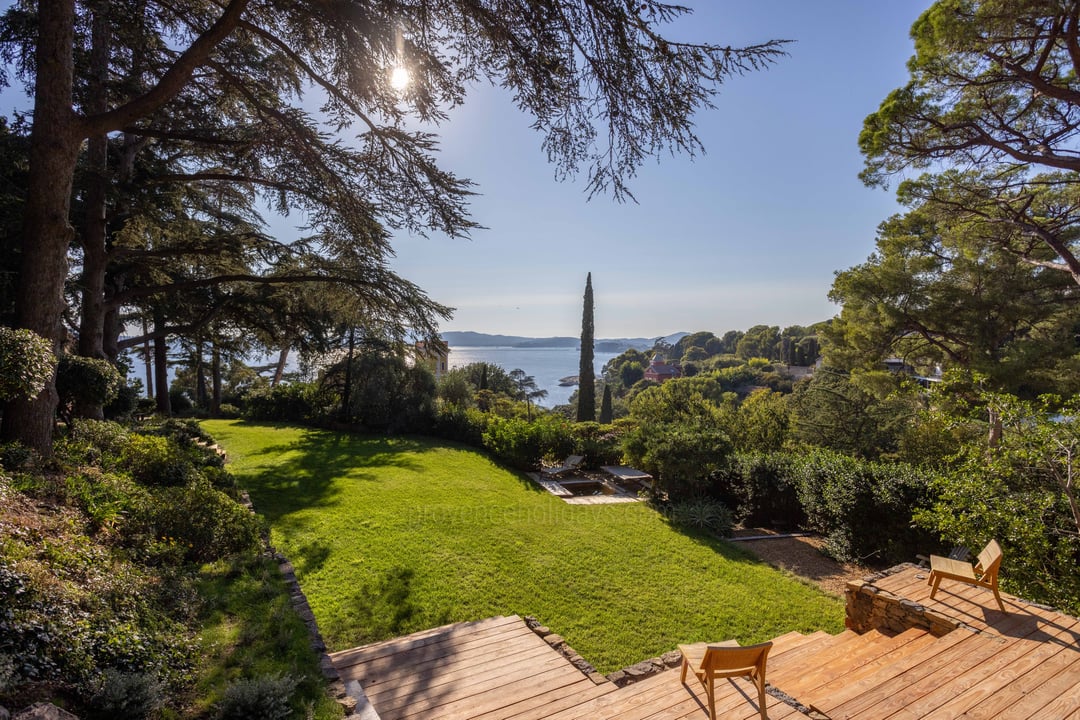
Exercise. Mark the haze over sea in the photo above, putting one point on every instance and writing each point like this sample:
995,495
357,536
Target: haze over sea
546,365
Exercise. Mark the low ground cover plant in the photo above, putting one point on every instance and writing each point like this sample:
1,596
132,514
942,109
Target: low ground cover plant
133,588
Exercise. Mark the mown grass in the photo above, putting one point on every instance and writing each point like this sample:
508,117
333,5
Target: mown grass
394,535
249,630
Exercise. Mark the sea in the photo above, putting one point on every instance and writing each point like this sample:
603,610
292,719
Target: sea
547,365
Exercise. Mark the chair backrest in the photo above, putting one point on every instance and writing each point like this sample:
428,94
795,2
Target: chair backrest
989,560
730,661
574,460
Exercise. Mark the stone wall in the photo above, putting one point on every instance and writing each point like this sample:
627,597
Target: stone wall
871,608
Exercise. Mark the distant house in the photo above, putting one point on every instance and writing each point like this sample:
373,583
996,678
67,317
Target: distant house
435,358
659,370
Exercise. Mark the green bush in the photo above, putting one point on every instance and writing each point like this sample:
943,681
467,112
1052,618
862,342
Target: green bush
86,380
123,695
600,444
760,487
291,402
106,498
523,443
107,436
155,460
228,411
202,522
463,425
702,513
682,458
15,456
125,403
863,508
266,698
26,363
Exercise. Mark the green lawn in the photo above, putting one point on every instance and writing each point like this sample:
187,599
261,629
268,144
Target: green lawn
394,535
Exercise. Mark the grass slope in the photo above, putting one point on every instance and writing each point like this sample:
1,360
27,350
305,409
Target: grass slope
394,535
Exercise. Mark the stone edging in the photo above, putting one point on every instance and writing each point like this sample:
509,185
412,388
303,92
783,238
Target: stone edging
557,643
348,701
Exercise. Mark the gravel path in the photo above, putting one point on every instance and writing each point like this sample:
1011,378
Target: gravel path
802,556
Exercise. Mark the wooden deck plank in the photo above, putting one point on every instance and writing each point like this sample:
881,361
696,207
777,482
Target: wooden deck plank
437,636
460,672
998,674
1037,704
484,694
846,664
828,697
1025,665
545,704
437,657
1061,665
970,647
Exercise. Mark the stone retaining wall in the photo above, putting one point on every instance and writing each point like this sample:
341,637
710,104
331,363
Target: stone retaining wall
868,607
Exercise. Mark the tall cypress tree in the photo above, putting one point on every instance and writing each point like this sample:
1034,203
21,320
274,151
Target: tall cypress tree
586,403
606,411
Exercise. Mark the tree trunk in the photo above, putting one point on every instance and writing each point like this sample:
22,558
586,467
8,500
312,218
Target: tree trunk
161,364
54,147
215,370
95,256
346,394
147,361
200,376
279,371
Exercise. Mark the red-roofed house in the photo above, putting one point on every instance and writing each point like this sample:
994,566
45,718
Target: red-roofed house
659,370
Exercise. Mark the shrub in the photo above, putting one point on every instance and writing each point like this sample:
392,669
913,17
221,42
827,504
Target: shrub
464,425
291,402
702,513
155,461
124,695
107,436
598,443
266,698
14,455
522,443
26,363
228,411
125,403
681,457
85,380
206,523
760,487
863,508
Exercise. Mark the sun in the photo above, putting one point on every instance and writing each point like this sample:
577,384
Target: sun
399,78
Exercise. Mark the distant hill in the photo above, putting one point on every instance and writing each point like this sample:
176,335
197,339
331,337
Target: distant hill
616,345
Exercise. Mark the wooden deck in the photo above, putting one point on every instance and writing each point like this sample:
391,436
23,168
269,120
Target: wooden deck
1023,664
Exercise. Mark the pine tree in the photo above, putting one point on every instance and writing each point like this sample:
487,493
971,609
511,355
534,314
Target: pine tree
586,405
605,406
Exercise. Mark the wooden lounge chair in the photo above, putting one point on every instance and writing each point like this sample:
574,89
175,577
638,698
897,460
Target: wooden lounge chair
984,573
572,462
709,661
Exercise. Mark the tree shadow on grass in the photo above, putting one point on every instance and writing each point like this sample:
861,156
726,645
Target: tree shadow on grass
306,469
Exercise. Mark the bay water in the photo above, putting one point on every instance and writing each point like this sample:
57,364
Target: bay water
547,365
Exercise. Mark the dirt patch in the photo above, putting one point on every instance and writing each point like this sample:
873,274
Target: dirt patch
802,556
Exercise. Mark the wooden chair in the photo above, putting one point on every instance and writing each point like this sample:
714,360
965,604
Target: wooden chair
572,462
725,660
984,573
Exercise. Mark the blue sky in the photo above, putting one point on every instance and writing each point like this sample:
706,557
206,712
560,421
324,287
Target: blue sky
749,233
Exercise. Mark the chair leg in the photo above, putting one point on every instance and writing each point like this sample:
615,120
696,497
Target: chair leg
997,596
937,581
711,692
761,697
682,676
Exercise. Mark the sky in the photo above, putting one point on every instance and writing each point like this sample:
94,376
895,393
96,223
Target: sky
750,233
